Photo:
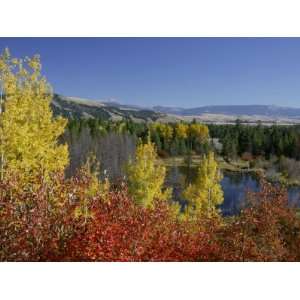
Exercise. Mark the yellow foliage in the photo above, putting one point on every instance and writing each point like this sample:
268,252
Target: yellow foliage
105,189
199,132
206,193
94,188
146,177
165,130
181,130
28,131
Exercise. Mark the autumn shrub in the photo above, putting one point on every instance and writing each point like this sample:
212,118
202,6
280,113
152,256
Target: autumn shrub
122,231
37,219
68,220
64,221
267,230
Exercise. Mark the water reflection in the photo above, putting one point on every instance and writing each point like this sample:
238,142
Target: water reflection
235,186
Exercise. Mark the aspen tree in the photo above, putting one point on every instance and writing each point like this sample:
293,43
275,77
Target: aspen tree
206,192
181,130
28,131
146,176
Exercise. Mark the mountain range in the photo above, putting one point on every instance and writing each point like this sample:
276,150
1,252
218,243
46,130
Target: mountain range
73,107
250,110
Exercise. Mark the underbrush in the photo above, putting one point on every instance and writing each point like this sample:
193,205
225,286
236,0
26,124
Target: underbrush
73,220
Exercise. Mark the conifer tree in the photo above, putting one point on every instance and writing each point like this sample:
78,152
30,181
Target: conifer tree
146,176
206,192
28,132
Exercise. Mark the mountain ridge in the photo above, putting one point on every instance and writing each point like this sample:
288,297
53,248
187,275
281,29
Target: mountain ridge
75,107
248,109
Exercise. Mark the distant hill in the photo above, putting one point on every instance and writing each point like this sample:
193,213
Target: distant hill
234,110
72,107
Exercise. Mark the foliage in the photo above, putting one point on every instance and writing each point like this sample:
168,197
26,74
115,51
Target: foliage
206,192
146,176
35,223
170,139
41,225
181,130
122,231
267,230
258,140
198,132
28,131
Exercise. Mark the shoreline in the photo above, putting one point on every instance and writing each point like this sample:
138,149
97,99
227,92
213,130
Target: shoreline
236,166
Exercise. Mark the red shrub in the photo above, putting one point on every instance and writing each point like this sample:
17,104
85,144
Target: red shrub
38,223
121,231
35,220
267,230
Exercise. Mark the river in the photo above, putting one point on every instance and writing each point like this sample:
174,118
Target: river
234,184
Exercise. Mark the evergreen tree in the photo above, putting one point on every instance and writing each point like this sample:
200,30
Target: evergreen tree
182,149
156,140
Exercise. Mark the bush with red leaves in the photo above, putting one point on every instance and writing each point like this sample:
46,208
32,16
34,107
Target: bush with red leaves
267,230
122,231
40,223
37,219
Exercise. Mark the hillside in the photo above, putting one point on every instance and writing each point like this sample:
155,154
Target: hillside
250,110
229,113
72,107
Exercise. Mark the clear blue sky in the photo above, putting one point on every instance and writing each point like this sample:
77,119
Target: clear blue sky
185,72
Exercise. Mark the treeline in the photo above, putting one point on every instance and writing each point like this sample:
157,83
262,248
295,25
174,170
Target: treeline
170,139
252,141
114,143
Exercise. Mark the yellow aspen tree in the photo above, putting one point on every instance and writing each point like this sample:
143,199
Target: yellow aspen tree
28,131
206,192
167,132
146,176
181,130
199,132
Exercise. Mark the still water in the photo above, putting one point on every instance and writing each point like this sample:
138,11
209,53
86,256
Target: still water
234,184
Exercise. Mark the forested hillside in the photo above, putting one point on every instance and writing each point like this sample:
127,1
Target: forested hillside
76,108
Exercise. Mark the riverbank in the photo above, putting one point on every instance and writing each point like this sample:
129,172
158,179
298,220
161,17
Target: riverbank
239,166
194,161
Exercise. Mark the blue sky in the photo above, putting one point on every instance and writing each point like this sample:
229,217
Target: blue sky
186,72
